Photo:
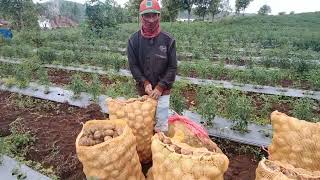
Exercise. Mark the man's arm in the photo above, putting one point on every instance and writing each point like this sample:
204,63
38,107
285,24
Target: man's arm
134,65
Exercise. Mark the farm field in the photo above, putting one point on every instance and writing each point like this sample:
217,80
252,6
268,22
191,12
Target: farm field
277,51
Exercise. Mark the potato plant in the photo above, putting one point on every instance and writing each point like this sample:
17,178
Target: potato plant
47,55
77,85
239,110
24,72
95,87
177,100
208,100
314,79
302,109
119,89
67,57
43,78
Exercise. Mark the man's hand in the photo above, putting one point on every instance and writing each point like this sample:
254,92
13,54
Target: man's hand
148,89
155,94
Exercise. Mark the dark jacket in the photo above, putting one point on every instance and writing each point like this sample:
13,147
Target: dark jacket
153,60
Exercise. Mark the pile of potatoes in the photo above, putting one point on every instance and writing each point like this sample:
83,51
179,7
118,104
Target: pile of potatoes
274,167
96,135
182,148
274,170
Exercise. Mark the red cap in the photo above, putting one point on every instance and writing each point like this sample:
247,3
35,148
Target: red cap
149,6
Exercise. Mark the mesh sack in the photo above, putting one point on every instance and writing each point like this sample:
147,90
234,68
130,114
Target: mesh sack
140,114
274,170
188,164
185,130
113,159
295,142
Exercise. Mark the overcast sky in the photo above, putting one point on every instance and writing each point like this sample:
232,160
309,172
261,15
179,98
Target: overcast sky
277,6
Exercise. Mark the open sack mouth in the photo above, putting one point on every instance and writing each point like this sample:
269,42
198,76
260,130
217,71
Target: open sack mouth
96,134
183,148
290,171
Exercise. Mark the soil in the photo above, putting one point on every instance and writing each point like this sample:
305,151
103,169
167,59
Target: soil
193,74
242,62
64,77
55,127
59,77
190,95
243,159
286,83
306,85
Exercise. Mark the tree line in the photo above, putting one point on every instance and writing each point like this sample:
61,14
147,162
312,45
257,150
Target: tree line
98,14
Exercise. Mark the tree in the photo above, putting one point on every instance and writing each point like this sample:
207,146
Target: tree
22,13
202,8
187,5
122,14
100,15
214,8
292,12
264,10
282,13
75,12
72,10
225,7
133,7
241,5
170,9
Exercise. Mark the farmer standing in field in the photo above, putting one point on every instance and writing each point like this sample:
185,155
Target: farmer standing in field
152,53
152,57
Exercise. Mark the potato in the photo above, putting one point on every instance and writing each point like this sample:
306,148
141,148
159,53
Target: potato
107,138
90,136
176,148
85,132
120,113
186,152
108,132
97,135
119,131
83,141
91,142
167,141
115,134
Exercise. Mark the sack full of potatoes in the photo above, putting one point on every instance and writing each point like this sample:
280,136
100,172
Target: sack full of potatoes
107,150
175,160
295,142
140,114
275,170
186,131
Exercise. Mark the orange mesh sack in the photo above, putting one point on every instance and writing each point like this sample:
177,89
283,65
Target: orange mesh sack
185,130
107,150
274,170
179,161
140,114
295,142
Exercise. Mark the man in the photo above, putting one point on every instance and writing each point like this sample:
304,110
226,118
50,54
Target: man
152,60
152,54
